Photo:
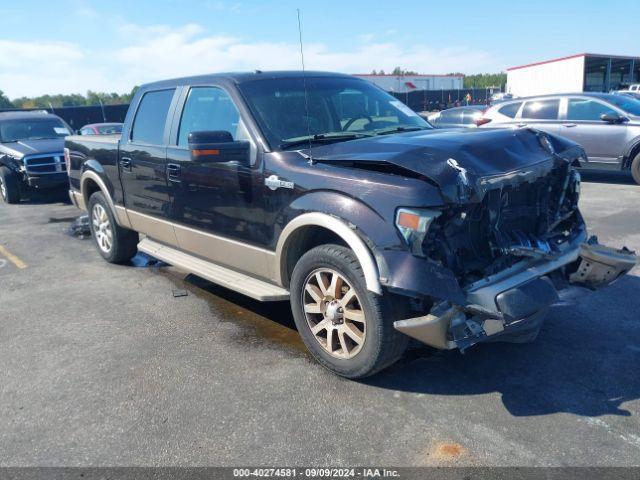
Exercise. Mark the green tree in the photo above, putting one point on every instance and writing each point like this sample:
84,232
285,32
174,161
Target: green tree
4,101
484,80
400,71
73,100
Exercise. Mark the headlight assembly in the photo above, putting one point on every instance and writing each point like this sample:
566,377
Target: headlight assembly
413,224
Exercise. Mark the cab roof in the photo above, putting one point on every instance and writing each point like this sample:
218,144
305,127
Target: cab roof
241,77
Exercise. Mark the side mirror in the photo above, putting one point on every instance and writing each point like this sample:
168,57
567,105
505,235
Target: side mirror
613,118
217,146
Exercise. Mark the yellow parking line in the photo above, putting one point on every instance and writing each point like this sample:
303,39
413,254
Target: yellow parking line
12,258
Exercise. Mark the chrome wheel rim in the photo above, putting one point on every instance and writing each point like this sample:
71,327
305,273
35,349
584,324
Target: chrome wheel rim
3,189
102,228
334,313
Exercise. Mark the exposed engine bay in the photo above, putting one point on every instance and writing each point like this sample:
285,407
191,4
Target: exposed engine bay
512,221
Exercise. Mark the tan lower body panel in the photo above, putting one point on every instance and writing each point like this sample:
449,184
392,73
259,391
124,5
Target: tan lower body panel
225,277
77,199
154,227
247,258
220,250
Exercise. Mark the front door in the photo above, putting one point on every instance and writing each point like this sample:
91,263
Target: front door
216,206
603,142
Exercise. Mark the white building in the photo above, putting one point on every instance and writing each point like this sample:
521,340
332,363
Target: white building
408,83
584,72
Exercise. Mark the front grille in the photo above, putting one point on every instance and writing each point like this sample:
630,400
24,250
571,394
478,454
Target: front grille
474,240
45,164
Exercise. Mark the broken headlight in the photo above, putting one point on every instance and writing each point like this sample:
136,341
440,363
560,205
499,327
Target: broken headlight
413,223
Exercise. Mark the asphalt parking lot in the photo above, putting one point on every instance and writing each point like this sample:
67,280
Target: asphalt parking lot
114,365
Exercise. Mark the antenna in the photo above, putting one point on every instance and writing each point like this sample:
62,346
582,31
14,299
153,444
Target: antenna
104,117
304,83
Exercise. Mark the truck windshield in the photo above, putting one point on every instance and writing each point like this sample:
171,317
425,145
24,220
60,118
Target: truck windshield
335,109
32,129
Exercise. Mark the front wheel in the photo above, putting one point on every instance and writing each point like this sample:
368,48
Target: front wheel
347,328
635,168
9,186
115,243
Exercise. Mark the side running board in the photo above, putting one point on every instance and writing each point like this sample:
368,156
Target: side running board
239,282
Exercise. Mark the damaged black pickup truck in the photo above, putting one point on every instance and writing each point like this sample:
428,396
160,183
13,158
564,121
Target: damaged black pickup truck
325,190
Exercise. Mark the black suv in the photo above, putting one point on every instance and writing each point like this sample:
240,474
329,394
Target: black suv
31,152
325,190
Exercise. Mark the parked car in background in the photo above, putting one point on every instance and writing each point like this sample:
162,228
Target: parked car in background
606,125
501,97
374,225
101,129
31,152
457,117
629,93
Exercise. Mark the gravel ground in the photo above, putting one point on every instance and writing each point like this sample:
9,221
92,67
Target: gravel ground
103,365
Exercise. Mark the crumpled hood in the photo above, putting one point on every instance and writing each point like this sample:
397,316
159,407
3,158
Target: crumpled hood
463,163
32,147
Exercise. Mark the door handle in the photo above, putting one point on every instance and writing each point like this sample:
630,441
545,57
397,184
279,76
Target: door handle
522,125
173,172
125,164
569,125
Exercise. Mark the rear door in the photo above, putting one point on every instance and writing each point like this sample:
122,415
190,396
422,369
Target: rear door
142,166
604,142
541,114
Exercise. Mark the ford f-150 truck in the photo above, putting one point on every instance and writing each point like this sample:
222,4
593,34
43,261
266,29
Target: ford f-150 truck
31,153
325,190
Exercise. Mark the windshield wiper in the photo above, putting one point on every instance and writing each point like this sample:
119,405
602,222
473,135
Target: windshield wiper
36,138
386,131
322,138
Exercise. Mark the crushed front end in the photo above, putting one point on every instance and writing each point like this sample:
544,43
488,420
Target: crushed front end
512,242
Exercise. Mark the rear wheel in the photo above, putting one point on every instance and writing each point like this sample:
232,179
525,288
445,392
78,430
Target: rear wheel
635,169
9,186
115,243
347,328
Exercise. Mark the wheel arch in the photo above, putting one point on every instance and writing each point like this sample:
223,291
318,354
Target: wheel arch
91,182
633,150
292,245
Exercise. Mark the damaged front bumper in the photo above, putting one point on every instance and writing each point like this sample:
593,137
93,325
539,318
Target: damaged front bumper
511,305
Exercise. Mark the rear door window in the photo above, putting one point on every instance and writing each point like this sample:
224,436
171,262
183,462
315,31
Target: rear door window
541,109
585,109
148,125
510,110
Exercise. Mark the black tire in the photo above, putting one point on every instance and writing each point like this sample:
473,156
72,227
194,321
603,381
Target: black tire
123,243
9,186
635,168
382,345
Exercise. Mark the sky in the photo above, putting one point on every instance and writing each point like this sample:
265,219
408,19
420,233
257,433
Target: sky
71,46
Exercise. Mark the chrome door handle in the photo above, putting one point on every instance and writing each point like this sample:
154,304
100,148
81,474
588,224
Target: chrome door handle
173,172
569,125
522,125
